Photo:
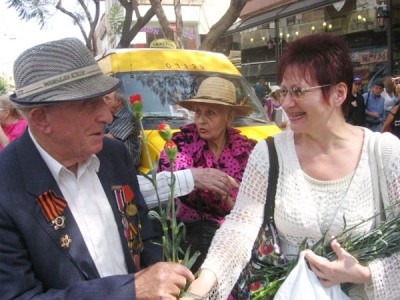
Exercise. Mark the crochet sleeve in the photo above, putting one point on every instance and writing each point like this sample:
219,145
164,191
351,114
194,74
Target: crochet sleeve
386,271
231,247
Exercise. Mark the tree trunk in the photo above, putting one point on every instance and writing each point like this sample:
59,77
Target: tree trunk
223,24
179,24
169,34
129,33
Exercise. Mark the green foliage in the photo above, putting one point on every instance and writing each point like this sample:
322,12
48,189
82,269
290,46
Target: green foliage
116,19
2,86
32,9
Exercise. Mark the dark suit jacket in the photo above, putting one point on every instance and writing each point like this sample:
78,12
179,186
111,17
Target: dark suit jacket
32,262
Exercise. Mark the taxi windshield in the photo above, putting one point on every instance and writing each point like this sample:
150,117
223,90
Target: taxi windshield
161,89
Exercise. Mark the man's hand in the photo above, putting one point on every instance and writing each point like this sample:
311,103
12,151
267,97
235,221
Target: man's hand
162,280
374,115
214,180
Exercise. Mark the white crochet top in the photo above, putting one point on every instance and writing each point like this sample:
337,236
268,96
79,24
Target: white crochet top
305,207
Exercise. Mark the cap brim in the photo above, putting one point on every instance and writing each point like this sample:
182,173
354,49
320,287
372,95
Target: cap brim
87,88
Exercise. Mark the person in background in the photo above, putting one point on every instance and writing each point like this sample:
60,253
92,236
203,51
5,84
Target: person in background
389,94
261,89
325,180
374,107
73,222
210,142
393,119
356,115
12,125
273,107
125,126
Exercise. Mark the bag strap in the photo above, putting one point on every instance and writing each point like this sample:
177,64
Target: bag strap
269,207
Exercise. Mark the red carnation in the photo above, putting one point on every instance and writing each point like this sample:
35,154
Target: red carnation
171,149
165,131
137,105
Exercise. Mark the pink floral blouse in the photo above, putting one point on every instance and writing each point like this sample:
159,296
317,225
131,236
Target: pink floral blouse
194,153
15,130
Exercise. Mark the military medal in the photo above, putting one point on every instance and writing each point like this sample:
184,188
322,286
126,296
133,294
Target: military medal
58,222
65,241
53,207
124,197
131,209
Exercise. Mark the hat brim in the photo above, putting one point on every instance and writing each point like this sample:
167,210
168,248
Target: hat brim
87,88
242,110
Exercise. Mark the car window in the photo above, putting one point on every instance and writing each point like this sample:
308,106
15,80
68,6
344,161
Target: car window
161,89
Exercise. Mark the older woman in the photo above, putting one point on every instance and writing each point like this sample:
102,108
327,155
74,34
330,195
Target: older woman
12,124
210,142
326,181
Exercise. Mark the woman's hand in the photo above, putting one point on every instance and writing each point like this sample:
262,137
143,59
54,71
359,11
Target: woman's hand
345,269
202,285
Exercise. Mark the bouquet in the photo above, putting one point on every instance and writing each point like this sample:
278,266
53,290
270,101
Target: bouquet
380,242
173,232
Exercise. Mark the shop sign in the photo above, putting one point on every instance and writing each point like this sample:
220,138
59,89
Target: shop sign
370,56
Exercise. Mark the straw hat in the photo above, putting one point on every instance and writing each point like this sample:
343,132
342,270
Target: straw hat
62,70
216,90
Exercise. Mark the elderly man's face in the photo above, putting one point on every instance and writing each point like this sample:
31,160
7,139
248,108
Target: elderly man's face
76,129
113,104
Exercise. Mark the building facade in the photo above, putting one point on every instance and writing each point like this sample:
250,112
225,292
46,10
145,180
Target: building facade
265,28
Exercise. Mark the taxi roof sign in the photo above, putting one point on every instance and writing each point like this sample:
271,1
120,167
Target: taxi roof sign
163,43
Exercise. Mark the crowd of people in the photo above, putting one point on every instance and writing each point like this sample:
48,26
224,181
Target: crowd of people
74,217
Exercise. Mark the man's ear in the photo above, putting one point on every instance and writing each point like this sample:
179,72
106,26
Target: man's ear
38,119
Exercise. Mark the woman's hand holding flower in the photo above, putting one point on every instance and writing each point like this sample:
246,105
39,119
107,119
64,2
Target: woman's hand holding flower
345,269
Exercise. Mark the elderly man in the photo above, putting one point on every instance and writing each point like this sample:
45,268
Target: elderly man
125,125
73,222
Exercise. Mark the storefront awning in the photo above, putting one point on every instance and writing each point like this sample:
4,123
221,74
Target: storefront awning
278,13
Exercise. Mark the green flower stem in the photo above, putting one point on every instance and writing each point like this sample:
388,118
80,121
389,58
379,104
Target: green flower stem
174,228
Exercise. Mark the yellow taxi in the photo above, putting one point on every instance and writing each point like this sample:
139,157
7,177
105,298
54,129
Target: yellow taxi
164,76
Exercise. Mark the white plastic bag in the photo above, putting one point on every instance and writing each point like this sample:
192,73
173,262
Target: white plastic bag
303,284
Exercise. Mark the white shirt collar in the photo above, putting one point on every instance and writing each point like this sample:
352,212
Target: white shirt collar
56,168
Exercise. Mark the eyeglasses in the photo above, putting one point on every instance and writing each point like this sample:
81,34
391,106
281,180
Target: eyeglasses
299,92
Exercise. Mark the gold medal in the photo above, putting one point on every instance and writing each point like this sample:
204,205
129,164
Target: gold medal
131,209
65,241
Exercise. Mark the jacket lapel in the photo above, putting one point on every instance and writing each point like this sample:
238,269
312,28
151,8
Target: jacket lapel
38,180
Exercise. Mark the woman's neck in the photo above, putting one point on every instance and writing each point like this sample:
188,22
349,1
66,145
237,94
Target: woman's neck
217,145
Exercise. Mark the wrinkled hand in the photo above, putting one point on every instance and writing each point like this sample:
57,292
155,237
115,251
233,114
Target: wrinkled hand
214,180
162,280
345,269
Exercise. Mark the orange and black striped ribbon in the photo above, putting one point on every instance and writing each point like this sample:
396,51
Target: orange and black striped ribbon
52,205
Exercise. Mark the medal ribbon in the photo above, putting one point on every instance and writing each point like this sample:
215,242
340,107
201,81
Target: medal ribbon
128,194
120,200
52,205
